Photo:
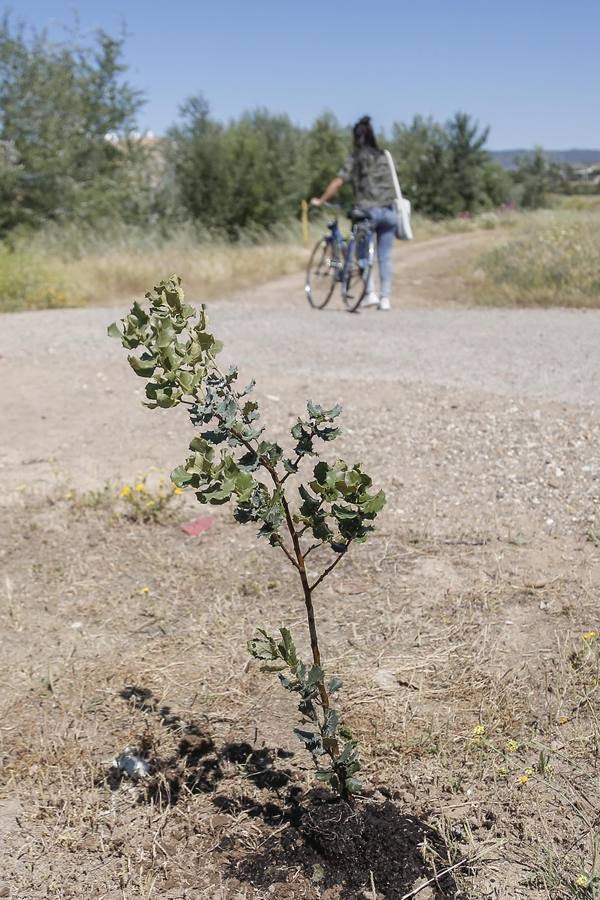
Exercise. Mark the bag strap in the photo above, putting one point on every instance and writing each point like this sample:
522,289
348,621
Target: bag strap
394,174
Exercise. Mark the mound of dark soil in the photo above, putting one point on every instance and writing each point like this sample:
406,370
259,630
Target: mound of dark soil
346,851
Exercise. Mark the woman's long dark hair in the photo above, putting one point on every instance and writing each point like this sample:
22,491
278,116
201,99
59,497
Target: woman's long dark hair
364,136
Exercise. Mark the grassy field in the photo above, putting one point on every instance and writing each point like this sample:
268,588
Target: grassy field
61,268
64,267
544,258
552,260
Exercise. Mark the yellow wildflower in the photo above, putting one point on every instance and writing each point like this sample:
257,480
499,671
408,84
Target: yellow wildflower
522,779
476,741
145,590
583,881
511,746
503,770
529,772
590,635
125,491
140,487
478,730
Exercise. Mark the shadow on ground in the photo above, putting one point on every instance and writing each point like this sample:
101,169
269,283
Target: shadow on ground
317,840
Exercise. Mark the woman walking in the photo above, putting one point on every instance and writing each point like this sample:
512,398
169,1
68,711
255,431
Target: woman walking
368,172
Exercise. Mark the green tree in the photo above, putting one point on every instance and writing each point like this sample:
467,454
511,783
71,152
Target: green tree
468,160
497,183
534,176
445,170
327,146
424,161
410,146
9,186
197,152
248,174
58,103
266,158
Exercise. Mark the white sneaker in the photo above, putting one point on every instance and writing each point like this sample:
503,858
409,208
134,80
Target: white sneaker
384,303
370,300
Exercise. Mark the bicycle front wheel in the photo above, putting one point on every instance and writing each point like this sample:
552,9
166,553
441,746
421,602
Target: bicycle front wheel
359,268
322,273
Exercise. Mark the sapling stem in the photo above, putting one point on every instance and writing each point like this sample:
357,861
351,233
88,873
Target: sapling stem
177,360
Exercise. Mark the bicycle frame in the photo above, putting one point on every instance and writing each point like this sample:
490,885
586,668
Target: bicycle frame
346,261
346,248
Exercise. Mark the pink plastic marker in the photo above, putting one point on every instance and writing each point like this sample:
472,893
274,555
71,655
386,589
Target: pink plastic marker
197,526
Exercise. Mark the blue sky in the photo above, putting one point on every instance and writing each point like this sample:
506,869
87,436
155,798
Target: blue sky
530,69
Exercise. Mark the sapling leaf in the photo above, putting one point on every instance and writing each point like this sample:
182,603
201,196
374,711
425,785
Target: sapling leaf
373,504
315,676
315,411
353,785
263,646
332,721
143,366
325,775
287,648
333,685
311,740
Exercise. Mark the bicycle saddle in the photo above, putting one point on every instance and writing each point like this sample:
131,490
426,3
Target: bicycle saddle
359,215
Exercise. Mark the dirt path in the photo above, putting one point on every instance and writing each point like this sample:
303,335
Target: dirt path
69,402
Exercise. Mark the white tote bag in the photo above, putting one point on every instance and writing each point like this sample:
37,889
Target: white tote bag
401,205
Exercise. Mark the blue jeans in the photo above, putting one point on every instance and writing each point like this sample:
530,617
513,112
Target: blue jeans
383,223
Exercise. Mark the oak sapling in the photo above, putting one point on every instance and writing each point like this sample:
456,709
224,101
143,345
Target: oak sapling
231,459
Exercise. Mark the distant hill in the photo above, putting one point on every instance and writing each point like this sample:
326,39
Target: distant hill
572,157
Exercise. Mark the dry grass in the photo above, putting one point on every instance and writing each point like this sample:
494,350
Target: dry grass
475,701
66,267
426,229
40,282
554,260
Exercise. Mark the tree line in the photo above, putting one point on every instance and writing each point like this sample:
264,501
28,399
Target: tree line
69,151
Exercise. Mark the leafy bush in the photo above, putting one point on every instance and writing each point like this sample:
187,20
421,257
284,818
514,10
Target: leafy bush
231,460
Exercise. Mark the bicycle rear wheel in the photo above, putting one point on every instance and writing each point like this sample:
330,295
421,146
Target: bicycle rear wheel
322,273
359,268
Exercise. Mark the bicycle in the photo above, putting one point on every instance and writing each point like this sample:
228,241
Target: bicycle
336,260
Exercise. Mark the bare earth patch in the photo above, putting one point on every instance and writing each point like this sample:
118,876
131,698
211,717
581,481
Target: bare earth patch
465,632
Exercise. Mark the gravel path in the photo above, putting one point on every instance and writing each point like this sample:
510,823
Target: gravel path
70,406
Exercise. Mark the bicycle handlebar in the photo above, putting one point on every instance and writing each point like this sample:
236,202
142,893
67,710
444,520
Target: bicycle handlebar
325,205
